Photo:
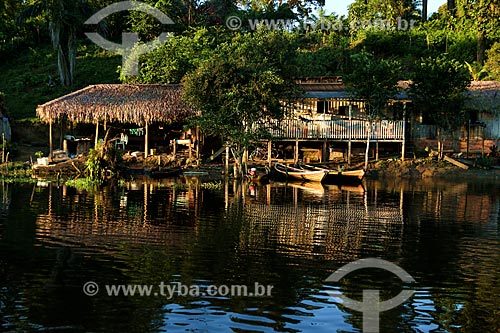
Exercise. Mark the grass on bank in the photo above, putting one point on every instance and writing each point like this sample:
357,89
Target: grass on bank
32,78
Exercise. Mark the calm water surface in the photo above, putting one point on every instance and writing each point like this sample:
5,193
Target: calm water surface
55,239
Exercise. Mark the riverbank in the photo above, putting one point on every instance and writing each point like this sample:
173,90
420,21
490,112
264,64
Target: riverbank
428,168
413,169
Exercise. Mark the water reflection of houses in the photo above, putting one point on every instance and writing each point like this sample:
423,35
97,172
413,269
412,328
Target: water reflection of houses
141,212
296,219
338,225
464,202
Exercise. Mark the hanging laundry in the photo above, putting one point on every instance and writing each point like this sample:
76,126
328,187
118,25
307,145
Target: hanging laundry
137,131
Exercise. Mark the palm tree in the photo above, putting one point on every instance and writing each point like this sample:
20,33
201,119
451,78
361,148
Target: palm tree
64,18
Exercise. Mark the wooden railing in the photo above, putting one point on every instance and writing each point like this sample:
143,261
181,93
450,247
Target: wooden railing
339,129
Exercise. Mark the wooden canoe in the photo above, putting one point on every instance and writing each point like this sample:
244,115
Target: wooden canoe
342,174
301,174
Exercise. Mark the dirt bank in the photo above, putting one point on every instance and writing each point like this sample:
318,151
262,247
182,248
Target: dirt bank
428,168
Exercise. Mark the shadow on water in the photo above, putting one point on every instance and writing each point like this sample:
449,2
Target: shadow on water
291,236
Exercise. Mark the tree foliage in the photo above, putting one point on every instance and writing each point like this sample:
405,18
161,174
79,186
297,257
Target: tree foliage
375,82
243,83
437,89
492,64
180,55
64,18
362,10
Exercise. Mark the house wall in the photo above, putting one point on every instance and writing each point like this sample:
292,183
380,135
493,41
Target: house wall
483,134
492,121
321,109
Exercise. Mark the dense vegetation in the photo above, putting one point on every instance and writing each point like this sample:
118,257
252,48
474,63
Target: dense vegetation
44,52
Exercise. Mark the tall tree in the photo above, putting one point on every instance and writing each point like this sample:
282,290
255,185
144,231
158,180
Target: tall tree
484,14
369,10
241,86
64,18
437,89
302,7
376,82
178,56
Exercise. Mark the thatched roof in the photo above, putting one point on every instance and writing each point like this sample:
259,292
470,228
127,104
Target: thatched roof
483,96
138,104
321,83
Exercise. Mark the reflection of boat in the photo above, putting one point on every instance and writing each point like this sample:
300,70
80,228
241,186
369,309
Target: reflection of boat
165,173
195,173
345,175
301,174
349,188
308,187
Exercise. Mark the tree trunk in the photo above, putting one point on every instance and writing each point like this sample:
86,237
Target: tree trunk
452,7
238,162
424,10
481,46
439,143
66,58
367,152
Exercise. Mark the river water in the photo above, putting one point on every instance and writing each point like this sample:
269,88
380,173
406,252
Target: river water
291,238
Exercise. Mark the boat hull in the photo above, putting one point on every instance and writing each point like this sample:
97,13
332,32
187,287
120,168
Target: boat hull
302,175
347,175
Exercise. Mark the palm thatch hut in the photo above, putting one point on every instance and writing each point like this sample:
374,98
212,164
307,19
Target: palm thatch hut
483,99
484,96
123,103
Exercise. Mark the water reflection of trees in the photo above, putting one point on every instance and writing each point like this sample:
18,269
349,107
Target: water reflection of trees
4,204
165,229
448,240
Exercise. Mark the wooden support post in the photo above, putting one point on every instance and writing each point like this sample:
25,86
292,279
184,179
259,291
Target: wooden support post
61,136
325,154
468,140
349,143
3,147
198,139
296,155
175,147
403,144
376,151
349,152
269,149
96,135
226,166
51,151
146,141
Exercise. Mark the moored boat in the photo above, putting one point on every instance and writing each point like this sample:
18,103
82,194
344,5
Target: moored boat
300,174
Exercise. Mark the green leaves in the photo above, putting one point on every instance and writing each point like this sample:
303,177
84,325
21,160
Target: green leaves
242,83
375,81
437,90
